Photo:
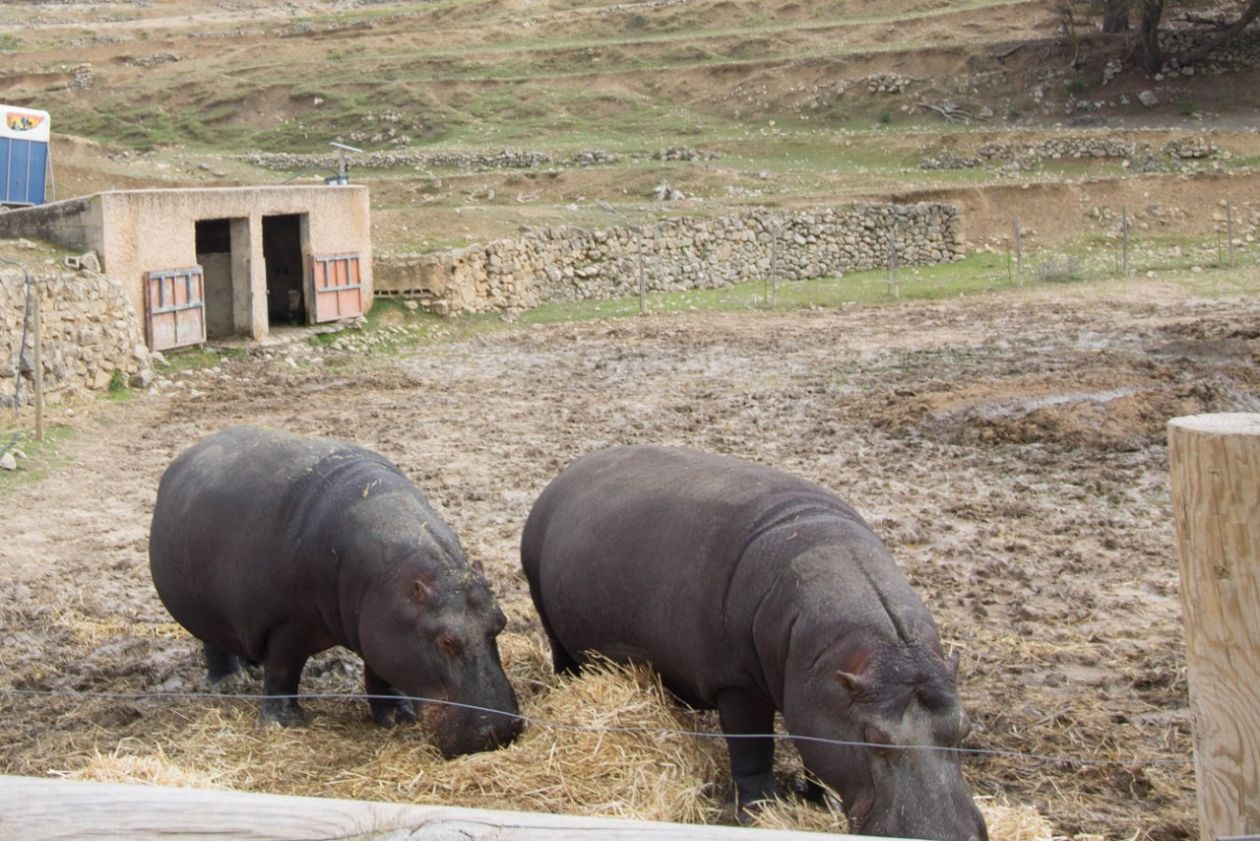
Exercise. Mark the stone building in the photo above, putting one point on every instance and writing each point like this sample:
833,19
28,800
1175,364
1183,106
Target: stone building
200,264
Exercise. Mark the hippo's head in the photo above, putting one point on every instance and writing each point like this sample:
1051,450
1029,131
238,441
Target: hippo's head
433,636
903,701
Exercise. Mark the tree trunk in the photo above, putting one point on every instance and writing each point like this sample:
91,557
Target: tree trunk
1150,13
1116,16
1204,50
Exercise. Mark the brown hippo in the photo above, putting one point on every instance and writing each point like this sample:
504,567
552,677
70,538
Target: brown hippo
752,591
269,548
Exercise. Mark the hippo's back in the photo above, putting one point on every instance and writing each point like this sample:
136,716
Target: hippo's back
232,516
639,552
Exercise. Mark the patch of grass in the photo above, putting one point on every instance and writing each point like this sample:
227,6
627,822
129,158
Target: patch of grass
187,359
118,389
42,457
9,42
975,274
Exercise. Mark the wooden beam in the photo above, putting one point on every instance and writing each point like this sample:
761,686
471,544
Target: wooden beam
1215,465
36,809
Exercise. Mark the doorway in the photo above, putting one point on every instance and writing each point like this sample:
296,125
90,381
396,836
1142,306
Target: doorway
283,238
222,246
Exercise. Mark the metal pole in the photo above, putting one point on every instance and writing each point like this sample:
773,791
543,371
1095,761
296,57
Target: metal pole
39,373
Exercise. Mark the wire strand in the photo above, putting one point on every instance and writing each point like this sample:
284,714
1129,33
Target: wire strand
579,728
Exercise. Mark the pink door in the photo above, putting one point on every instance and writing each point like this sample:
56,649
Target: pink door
337,292
175,308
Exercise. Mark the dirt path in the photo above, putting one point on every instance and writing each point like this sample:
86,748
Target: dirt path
1009,449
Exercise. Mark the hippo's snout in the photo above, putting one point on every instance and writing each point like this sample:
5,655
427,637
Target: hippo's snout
959,820
456,735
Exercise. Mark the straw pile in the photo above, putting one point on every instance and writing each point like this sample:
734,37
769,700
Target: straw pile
598,745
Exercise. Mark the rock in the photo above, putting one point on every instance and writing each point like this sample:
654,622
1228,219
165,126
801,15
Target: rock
411,306
8,462
1148,98
141,379
89,262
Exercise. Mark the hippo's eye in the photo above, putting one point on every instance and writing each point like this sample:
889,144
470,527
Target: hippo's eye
448,643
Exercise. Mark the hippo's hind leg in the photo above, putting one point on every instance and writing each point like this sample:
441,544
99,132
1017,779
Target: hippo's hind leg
389,706
742,714
283,661
220,665
561,660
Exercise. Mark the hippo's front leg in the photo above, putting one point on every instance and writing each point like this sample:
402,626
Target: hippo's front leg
389,705
741,714
283,662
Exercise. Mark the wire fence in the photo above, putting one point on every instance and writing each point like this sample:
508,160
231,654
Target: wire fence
1052,759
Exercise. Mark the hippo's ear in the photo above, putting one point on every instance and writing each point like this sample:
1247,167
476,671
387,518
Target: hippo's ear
421,591
478,568
852,683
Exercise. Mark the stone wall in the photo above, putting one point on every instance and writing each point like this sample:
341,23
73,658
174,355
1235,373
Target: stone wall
568,264
90,331
454,159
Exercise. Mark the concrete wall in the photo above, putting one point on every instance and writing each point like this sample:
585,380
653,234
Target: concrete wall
138,231
74,224
147,230
565,264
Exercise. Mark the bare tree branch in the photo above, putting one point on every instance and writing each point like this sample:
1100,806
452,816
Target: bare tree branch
1250,13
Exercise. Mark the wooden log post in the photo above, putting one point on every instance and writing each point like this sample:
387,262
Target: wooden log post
52,810
39,370
1215,465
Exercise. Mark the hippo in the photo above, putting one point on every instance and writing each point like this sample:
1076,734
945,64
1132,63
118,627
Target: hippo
270,547
752,591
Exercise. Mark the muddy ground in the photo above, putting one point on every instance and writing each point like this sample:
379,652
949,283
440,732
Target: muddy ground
1009,449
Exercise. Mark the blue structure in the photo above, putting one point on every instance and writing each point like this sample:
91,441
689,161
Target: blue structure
24,139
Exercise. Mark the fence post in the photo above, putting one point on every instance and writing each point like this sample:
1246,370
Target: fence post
638,236
1229,231
1214,461
37,329
1124,227
892,262
774,263
1019,255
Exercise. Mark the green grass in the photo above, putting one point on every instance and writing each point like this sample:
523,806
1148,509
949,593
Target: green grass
42,457
186,359
976,274
118,388
9,42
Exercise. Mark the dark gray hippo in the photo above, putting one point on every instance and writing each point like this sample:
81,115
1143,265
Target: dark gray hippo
269,548
751,591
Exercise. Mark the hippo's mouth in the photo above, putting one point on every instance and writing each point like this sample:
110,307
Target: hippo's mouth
859,813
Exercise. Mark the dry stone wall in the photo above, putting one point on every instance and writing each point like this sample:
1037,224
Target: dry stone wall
569,264
90,331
